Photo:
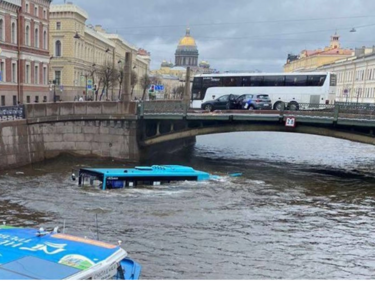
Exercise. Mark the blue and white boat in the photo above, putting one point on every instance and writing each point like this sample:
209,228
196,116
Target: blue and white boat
153,175
29,254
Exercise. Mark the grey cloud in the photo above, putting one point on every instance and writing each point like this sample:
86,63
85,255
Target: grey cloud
235,34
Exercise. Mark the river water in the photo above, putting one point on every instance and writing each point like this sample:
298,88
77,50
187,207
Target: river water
303,209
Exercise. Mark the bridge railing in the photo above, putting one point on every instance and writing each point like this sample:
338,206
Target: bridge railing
356,110
71,110
9,113
335,111
309,109
170,107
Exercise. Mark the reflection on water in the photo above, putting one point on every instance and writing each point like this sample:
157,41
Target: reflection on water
304,208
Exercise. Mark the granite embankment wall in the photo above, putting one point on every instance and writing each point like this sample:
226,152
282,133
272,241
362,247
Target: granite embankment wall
89,129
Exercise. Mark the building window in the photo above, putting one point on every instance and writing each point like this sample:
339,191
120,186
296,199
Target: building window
45,40
1,29
2,100
58,25
36,38
36,11
44,98
45,75
36,99
14,72
44,14
2,71
58,77
58,48
14,100
13,32
27,8
27,36
27,74
36,75
28,99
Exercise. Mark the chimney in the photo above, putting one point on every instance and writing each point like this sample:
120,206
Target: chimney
99,28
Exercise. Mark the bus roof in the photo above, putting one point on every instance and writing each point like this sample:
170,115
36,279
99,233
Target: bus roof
260,74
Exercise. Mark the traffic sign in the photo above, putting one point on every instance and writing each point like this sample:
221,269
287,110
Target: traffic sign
89,87
89,82
290,122
159,87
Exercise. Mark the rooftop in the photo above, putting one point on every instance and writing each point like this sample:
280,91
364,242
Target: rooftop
68,7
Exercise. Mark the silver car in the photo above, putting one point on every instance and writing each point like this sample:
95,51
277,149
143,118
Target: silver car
250,101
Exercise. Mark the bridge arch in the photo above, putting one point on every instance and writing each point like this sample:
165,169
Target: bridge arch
328,131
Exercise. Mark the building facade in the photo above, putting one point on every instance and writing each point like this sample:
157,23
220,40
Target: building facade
24,56
355,76
310,60
81,52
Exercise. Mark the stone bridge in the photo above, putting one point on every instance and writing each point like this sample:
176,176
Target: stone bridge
130,130
160,123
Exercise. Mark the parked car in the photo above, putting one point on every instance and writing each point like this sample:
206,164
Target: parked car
241,100
252,101
224,102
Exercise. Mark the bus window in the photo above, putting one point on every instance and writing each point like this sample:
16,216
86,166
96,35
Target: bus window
231,81
246,81
273,81
256,81
197,83
209,82
295,80
316,80
197,91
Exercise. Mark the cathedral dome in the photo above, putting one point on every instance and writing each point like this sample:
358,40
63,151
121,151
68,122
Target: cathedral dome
187,52
187,41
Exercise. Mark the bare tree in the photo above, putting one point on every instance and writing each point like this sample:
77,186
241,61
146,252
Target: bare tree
145,83
133,81
121,76
178,92
92,74
109,75
156,80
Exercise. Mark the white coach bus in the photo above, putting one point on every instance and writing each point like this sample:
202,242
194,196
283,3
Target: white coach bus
289,88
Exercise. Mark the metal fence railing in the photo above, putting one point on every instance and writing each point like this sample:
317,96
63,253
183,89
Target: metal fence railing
308,109
336,111
163,107
8,113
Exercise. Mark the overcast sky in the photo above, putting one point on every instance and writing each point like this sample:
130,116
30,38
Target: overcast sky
235,34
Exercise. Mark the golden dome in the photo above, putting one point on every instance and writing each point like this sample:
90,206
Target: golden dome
187,40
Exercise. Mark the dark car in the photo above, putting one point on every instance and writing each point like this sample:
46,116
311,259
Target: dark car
253,101
223,102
